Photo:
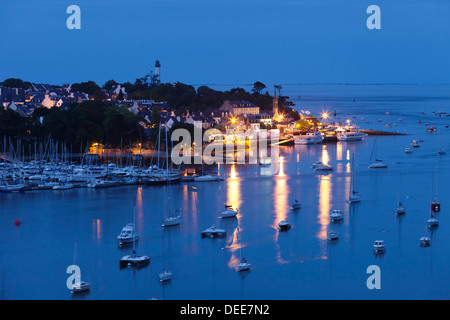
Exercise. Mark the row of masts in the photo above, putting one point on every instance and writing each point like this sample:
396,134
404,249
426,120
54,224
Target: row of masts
50,151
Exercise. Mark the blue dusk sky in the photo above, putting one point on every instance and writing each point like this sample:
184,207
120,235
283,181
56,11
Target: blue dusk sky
226,42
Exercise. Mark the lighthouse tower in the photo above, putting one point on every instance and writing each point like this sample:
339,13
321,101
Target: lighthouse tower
275,104
157,75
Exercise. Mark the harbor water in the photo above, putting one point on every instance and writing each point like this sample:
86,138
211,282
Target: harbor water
80,226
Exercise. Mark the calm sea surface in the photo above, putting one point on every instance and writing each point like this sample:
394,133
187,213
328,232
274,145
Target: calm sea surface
298,264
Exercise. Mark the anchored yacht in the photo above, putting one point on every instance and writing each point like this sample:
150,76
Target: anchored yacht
310,138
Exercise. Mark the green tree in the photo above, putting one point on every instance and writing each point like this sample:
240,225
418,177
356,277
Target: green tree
16,83
258,87
110,84
89,87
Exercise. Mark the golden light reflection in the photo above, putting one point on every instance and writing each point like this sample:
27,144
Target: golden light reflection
325,156
139,207
235,247
348,167
325,198
339,152
234,190
280,195
97,226
348,155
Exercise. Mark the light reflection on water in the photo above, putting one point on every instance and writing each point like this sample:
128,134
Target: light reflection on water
296,264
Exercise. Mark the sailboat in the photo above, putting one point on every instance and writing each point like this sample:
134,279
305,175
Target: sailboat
400,209
151,285
80,286
435,204
243,264
175,218
165,275
377,164
296,205
354,195
435,207
229,211
134,260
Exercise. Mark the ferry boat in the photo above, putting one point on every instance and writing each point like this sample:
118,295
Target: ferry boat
310,138
350,135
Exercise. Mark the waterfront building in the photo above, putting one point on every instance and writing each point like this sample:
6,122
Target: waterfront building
239,107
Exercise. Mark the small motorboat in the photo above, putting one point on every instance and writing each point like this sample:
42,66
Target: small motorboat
207,177
284,226
323,167
296,205
134,260
425,241
82,286
441,152
243,265
400,209
435,206
63,186
432,222
415,144
128,234
229,212
165,276
331,236
213,232
379,246
317,164
12,188
336,215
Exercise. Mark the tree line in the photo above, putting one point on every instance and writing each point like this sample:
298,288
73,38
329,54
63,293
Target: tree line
89,121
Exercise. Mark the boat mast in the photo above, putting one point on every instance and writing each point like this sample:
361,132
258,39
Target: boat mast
134,224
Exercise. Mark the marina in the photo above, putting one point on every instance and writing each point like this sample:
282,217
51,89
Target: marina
51,221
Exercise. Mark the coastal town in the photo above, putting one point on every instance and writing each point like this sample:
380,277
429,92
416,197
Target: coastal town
141,154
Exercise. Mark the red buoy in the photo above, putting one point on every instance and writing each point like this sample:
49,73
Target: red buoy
17,223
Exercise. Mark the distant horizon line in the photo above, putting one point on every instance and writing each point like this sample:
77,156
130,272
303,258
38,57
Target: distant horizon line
282,84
